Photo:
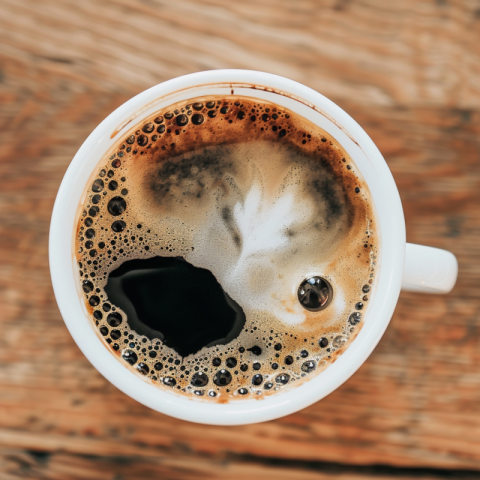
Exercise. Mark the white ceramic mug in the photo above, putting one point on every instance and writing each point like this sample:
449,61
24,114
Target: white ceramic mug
401,265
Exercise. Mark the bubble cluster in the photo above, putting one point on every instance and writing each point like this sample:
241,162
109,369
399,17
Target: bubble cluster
154,194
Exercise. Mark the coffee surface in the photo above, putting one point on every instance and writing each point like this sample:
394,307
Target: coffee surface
227,249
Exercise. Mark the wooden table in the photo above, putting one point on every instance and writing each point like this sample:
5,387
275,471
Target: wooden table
408,72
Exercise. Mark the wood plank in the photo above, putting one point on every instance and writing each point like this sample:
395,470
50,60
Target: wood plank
373,52
407,73
15,464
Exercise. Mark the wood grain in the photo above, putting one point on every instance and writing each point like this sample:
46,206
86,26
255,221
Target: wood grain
407,72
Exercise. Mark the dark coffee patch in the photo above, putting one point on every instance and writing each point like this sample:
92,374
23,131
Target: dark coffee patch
332,196
193,174
231,226
169,299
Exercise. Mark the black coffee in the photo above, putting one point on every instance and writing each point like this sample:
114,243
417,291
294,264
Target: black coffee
194,311
226,249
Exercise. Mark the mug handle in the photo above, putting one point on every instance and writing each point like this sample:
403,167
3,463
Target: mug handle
429,269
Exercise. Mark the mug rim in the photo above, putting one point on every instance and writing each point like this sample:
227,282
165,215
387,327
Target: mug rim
392,245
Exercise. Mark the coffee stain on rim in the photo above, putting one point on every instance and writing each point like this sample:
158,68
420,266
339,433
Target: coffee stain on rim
232,87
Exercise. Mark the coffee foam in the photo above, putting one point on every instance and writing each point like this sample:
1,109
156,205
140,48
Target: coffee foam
260,197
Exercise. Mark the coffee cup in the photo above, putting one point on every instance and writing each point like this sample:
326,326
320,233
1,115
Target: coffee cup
400,265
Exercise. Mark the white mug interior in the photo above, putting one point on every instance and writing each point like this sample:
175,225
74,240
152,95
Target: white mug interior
301,100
